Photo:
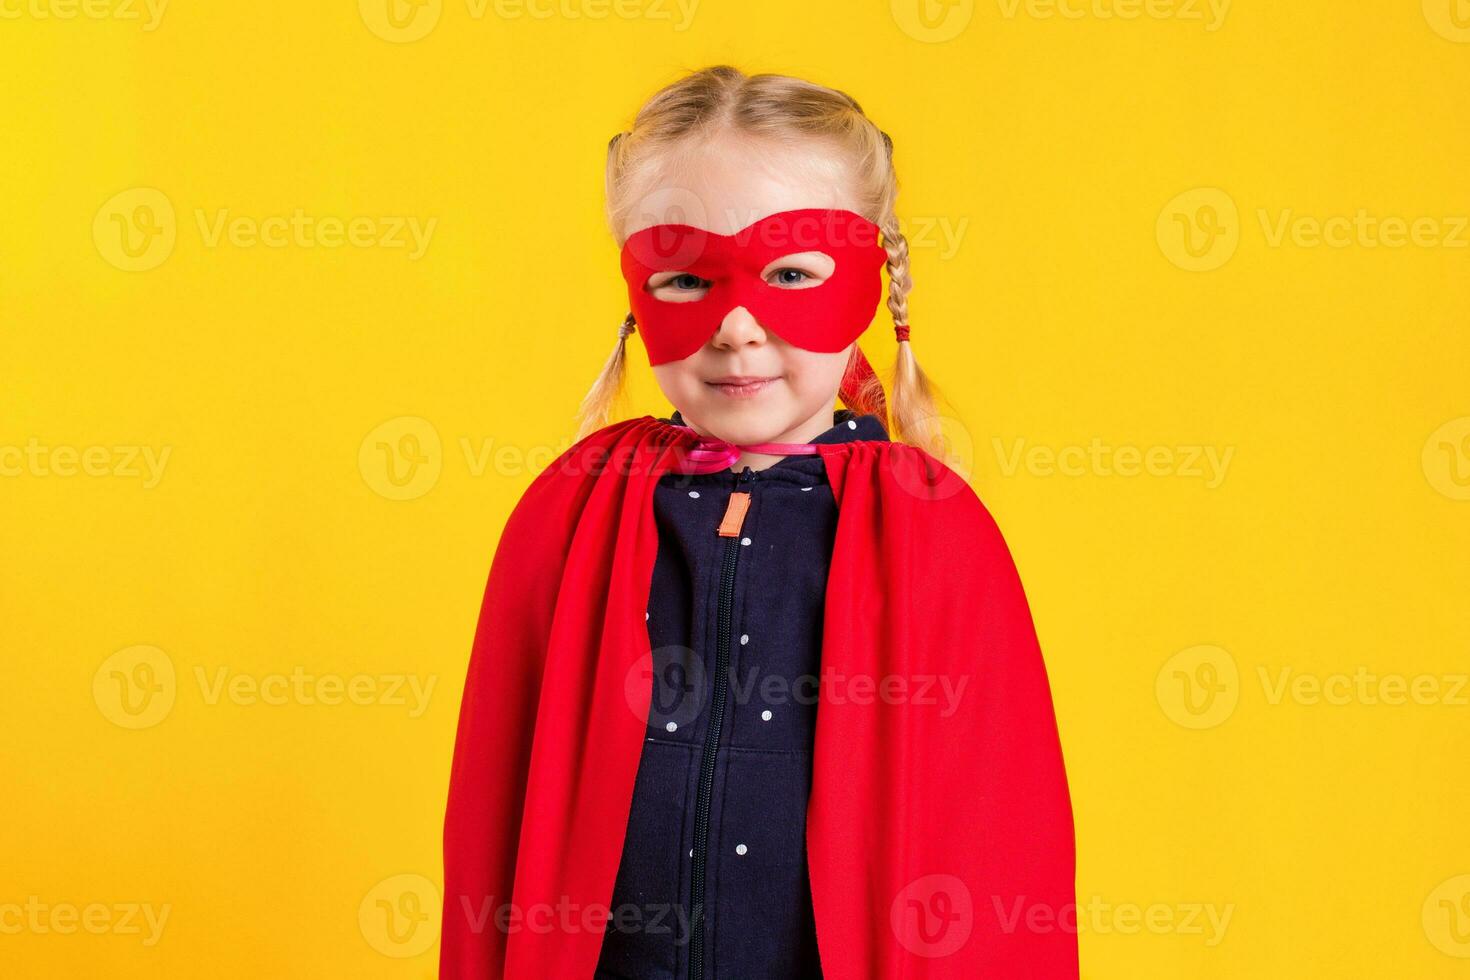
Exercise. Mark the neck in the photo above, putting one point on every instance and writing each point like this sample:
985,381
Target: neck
802,433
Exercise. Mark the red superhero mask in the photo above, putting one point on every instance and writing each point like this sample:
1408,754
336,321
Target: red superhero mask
824,318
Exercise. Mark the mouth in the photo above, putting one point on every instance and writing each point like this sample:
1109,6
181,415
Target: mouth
742,385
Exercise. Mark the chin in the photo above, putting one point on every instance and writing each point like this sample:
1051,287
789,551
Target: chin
747,424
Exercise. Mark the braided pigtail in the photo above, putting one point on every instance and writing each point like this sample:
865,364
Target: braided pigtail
912,398
597,405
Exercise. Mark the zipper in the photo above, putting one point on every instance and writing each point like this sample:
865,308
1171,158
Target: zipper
729,529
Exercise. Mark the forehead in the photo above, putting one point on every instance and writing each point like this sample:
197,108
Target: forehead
725,184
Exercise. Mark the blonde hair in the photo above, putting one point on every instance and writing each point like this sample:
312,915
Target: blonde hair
785,109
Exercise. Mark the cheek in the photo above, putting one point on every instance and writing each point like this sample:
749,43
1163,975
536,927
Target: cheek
678,378
816,373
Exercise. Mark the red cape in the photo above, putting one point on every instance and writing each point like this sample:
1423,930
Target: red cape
939,828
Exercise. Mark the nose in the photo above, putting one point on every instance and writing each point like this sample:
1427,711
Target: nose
738,329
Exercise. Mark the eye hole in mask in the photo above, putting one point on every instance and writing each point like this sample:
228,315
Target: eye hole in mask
799,270
811,275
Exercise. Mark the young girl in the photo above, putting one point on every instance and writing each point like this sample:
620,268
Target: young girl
755,692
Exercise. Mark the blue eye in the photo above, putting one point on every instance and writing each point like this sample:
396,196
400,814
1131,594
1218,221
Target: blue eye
790,277
688,280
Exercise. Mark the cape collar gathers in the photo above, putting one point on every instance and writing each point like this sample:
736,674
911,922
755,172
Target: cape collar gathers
847,426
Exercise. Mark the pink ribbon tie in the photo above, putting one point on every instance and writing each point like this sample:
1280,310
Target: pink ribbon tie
713,455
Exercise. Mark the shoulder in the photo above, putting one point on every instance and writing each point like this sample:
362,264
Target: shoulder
925,490
945,518
547,511
915,471
624,449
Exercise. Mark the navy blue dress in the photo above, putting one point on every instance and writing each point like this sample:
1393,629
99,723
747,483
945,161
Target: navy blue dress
713,880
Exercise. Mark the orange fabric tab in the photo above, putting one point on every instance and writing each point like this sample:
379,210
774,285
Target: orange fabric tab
734,514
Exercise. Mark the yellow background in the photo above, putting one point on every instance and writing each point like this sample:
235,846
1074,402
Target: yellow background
1067,155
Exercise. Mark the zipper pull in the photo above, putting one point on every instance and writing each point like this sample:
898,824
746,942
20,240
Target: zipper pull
734,514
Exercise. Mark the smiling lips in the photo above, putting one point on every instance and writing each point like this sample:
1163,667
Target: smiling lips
742,386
